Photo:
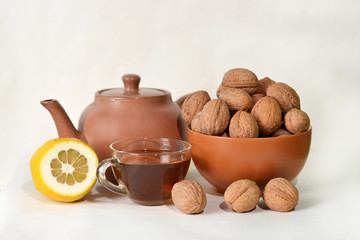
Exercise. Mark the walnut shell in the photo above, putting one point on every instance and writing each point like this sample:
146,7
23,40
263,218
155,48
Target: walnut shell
196,124
281,132
236,99
242,195
241,78
224,134
296,121
213,119
284,95
280,195
193,104
243,125
255,98
264,84
268,115
188,196
220,89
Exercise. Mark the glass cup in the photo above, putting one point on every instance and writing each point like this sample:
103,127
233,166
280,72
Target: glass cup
149,167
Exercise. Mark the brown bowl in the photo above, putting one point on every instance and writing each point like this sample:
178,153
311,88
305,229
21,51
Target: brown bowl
223,160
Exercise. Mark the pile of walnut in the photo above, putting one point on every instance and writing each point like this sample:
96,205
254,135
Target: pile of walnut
246,108
279,195
241,196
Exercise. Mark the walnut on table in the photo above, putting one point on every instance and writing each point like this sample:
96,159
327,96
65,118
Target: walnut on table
189,196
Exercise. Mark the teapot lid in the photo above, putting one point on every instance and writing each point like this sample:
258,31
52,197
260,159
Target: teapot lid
131,89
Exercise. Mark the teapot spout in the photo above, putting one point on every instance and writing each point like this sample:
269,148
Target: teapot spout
64,126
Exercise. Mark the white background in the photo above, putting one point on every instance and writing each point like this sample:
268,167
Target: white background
70,49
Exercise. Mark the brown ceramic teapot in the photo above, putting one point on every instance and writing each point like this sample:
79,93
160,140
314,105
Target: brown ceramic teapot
119,113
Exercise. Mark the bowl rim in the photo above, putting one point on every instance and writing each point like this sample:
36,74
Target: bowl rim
258,139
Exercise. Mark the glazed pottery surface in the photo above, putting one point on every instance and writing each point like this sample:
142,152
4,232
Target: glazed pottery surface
118,113
223,160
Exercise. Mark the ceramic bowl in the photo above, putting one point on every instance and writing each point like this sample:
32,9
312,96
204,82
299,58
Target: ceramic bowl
223,160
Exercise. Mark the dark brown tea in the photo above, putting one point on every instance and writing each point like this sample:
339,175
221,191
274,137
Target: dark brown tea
149,179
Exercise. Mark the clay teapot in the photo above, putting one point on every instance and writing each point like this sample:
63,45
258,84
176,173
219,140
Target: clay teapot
119,113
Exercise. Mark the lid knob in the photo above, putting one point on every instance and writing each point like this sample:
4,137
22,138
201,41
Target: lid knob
131,82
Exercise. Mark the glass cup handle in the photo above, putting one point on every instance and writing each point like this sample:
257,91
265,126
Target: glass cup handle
101,176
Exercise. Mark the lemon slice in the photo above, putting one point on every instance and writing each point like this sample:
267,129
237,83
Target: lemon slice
64,169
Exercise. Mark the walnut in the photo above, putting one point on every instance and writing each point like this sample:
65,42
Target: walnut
296,121
242,195
235,98
255,98
281,132
196,124
284,95
193,104
280,195
263,85
243,125
267,113
220,89
224,135
241,78
213,119
188,196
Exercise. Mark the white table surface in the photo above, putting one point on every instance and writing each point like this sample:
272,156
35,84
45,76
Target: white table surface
327,210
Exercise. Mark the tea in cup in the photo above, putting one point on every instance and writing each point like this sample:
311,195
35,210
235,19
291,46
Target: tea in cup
149,167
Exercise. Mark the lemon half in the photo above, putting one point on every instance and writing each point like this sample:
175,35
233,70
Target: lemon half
64,169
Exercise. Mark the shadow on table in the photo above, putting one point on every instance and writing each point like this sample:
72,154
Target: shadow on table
263,207
97,194
208,210
29,188
100,194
